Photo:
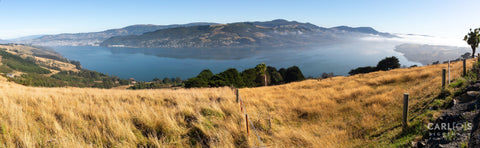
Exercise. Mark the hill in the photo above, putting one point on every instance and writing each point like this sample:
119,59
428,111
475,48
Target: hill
276,33
40,66
95,38
24,38
367,30
356,111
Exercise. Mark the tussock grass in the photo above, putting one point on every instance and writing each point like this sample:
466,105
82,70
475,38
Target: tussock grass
345,111
334,112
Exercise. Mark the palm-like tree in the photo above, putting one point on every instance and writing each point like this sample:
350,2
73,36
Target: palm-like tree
262,69
473,39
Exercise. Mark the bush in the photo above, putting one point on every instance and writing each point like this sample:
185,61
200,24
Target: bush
359,70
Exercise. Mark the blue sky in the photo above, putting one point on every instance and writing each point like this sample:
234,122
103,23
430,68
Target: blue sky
445,18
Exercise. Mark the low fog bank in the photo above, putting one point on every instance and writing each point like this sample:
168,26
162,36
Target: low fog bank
426,49
428,54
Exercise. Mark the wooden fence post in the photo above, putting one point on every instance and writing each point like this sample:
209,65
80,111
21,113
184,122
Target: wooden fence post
443,78
246,117
405,111
241,106
237,94
464,67
448,72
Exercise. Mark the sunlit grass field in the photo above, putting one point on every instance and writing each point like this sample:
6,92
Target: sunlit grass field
334,112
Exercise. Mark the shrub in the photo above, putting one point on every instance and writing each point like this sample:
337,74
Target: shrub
360,70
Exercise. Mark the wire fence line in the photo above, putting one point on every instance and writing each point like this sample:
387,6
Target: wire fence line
392,125
249,124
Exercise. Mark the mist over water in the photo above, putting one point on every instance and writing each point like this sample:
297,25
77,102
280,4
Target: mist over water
147,63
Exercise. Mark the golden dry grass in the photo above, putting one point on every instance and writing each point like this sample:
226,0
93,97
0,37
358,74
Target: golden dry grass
335,112
343,111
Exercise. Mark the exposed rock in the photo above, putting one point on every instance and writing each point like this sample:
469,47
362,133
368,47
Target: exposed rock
473,94
474,87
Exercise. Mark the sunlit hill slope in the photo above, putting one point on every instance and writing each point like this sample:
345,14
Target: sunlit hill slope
334,112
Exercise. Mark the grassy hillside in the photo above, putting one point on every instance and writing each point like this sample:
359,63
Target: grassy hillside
361,110
34,66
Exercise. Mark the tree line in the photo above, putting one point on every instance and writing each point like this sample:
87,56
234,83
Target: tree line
159,83
252,77
385,64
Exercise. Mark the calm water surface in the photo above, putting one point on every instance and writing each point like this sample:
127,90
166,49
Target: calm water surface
148,63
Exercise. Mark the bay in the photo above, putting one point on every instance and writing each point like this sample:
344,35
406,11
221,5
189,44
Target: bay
148,63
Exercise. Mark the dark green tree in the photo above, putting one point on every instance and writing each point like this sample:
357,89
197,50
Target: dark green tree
232,77
205,74
466,55
195,82
294,74
249,76
275,78
388,63
283,72
472,39
217,81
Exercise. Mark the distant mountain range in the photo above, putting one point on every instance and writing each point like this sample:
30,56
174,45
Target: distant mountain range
276,33
367,30
95,38
24,38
